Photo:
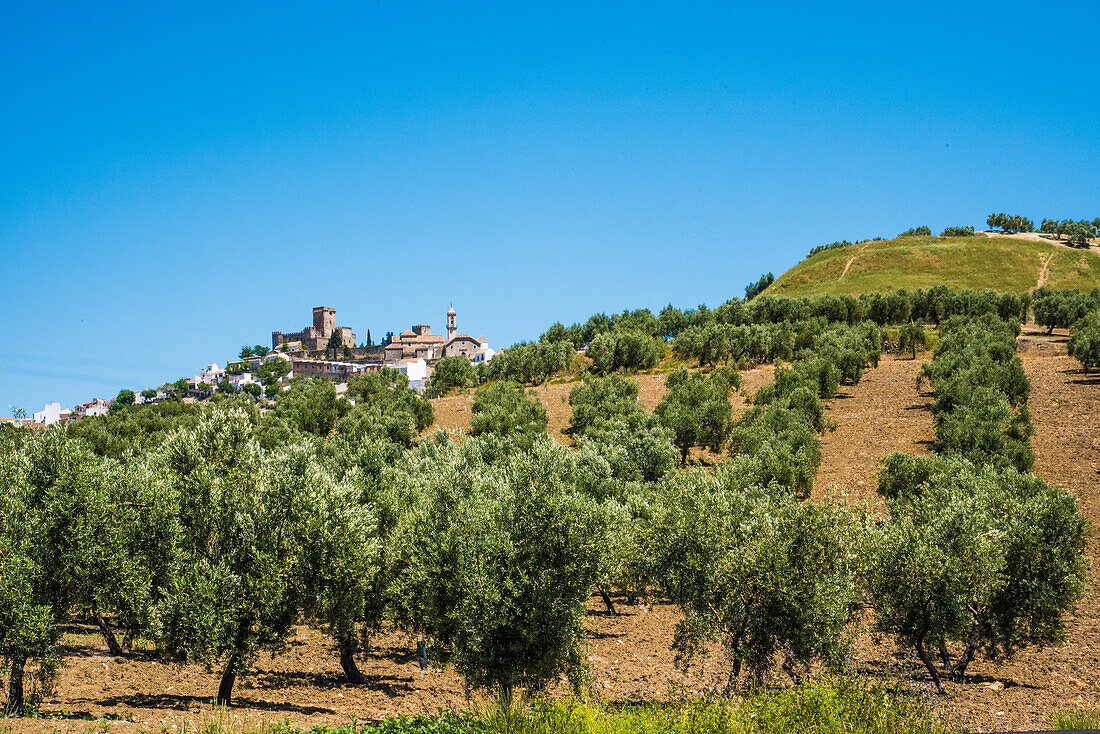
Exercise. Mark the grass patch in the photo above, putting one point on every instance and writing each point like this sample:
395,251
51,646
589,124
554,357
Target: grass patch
1075,719
828,706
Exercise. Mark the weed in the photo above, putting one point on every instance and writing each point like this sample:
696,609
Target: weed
1075,719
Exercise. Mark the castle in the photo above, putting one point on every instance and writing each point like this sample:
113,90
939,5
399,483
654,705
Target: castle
315,338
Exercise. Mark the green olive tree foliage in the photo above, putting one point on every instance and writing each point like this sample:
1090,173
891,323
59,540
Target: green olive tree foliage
28,611
1010,222
612,351
768,579
985,557
981,389
495,563
79,533
504,410
1084,341
696,409
912,337
448,374
1062,308
339,554
595,400
385,408
231,593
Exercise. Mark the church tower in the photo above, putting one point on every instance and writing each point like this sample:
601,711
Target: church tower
452,327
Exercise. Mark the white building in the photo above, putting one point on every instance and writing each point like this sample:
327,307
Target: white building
97,407
483,353
52,413
211,374
239,381
414,368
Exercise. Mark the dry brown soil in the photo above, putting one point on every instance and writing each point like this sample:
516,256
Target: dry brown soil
630,653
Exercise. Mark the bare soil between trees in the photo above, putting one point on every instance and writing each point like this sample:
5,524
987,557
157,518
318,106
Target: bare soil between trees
630,654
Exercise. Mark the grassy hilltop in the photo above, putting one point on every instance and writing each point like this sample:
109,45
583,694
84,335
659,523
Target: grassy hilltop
1006,264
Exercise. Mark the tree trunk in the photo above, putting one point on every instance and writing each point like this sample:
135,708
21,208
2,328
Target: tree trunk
128,640
347,662
606,600
109,635
14,706
422,654
959,668
229,677
931,668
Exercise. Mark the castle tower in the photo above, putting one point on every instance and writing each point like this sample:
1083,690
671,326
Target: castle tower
452,327
324,320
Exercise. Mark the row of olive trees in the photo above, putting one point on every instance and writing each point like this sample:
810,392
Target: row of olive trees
1062,308
1076,232
489,549
980,407
975,552
209,545
630,341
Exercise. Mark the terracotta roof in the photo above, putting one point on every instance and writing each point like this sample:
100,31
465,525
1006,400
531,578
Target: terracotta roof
482,338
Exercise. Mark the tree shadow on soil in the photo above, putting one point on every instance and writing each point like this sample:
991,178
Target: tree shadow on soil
188,703
387,685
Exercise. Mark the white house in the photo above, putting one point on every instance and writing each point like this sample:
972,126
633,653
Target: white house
483,353
211,374
97,407
242,379
51,413
414,368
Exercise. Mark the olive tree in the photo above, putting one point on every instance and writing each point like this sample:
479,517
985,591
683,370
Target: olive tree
697,410
766,578
450,373
340,555
231,593
989,558
911,337
28,616
503,409
600,399
495,564
1084,341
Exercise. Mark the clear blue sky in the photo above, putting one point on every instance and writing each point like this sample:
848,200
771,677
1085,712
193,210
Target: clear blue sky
177,180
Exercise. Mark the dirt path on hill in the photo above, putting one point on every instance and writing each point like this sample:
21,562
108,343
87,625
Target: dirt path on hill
851,260
1044,271
884,413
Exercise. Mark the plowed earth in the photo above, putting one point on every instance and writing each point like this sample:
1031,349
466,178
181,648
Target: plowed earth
630,653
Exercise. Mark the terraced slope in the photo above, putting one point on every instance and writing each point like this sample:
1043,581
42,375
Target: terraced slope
1006,264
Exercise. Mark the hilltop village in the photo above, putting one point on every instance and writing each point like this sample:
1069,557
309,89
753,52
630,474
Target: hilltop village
321,349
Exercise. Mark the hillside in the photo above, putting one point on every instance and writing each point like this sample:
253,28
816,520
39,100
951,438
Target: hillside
1003,263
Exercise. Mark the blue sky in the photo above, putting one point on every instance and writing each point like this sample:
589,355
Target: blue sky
179,180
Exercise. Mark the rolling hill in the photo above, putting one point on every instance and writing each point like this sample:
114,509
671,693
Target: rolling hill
1004,263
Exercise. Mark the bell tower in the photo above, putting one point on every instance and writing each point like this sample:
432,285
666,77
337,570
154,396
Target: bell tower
452,327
